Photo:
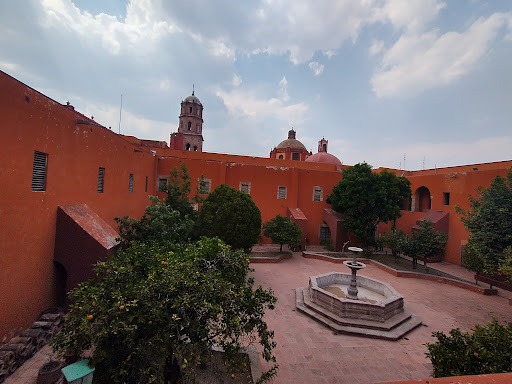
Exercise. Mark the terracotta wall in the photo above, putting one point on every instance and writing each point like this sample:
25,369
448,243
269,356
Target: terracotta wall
33,122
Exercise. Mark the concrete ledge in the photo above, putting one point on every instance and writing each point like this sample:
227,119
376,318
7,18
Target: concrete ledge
497,378
443,280
277,259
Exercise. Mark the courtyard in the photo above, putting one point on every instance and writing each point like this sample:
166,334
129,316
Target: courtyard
308,352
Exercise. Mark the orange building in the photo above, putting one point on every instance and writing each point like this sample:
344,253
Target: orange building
65,178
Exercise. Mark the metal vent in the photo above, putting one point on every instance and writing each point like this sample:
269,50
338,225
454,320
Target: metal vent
101,179
39,171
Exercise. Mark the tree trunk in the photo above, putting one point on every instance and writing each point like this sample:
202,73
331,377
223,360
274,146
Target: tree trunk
281,248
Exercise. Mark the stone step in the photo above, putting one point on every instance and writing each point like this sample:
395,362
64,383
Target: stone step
390,334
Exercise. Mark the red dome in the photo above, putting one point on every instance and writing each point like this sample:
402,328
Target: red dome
324,158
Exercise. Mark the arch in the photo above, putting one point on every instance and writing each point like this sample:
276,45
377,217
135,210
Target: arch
187,147
422,199
189,125
281,156
324,147
195,148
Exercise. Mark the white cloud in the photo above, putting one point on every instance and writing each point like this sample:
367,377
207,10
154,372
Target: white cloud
376,47
245,104
316,68
237,80
419,62
411,15
283,89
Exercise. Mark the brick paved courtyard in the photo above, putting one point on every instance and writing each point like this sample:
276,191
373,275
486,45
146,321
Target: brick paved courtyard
307,352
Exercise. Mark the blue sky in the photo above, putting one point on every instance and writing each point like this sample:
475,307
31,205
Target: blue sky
380,79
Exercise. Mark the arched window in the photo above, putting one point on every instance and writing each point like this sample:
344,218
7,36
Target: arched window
422,199
190,109
281,156
324,147
195,148
189,125
187,147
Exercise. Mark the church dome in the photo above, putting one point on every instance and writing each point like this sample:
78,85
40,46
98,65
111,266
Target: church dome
192,99
324,158
291,142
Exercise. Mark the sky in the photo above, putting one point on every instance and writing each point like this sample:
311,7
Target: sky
405,84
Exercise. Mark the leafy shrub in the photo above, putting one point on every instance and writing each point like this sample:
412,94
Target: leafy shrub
488,349
149,310
282,231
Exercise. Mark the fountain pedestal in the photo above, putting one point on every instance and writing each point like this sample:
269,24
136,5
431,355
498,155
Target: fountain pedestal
354,266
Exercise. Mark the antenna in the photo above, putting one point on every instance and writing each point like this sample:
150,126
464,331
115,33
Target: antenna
423,162
404,162
120,109
193,90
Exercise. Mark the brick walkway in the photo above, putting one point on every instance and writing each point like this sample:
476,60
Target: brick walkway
309,353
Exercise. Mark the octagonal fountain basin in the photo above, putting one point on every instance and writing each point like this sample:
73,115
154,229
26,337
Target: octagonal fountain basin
377,301
379,310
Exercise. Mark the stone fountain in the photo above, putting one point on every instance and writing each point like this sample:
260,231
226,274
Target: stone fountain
356,305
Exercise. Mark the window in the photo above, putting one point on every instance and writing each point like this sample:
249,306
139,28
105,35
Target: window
245,187
281,192
317,194
195,148
101,179
281,156
39,171
190,110
146,185
162,185
446,198
295,156
130,183
189,125
205,186
187,147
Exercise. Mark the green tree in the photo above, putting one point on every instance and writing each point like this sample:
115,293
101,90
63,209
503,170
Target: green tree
232,216
395,240
169,221
366,198
430,242
486,350
489,221
149,310
282,231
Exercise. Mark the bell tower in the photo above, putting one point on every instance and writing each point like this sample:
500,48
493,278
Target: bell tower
190,130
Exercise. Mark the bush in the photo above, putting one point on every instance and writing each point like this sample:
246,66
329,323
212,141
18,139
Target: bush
488,349
149,310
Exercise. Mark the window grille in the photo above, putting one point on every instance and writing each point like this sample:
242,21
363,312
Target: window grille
101,179
281,192
317,194
205,186
39,171
245,187
162,185
130,183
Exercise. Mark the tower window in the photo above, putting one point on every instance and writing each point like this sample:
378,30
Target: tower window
187,147
190,110
317,194
195,148
281,156
446,198
101,179
281,192
130,183
295,156
189,125
39,171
